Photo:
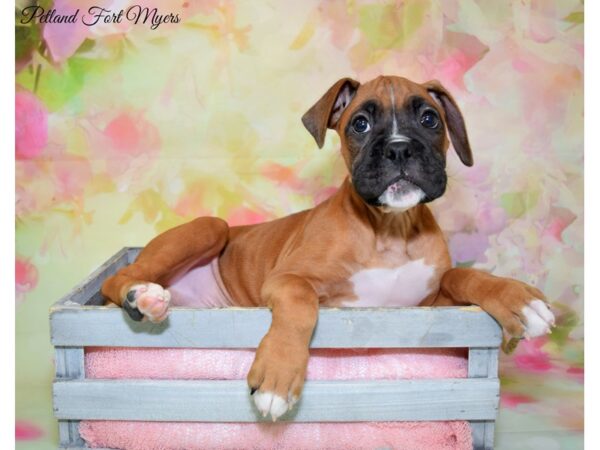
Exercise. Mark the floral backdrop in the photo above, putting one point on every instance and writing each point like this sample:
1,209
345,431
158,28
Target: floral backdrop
123,131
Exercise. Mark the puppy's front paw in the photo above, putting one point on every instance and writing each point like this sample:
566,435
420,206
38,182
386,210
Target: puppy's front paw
277,376
538,318
520,309
147,301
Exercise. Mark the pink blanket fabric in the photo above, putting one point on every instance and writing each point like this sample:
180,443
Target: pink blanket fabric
324,364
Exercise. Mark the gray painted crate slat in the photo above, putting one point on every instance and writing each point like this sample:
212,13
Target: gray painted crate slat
244,328
322,401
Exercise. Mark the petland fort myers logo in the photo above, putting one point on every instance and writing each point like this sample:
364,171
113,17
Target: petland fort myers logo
98,15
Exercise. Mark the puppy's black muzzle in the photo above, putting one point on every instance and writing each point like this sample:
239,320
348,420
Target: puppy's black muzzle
386,162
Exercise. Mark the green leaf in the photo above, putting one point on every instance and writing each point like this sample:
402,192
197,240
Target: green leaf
86,46
518,203
388,25
27,39
465,264
566,320
59,85
575,17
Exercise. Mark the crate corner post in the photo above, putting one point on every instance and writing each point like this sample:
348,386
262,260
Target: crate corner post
69,363
483,363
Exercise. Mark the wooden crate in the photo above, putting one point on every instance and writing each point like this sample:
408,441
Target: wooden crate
79,320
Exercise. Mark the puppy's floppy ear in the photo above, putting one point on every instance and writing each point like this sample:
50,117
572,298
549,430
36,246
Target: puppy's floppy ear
327,111
454,120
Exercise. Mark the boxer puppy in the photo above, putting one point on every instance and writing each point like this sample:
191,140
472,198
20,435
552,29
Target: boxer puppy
373,243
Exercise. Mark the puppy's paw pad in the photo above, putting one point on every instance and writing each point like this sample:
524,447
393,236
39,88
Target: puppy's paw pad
539,319
271,403
147,300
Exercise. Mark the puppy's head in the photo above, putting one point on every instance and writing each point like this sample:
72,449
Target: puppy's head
394,137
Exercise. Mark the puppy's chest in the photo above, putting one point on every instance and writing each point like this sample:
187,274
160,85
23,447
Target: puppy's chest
392,279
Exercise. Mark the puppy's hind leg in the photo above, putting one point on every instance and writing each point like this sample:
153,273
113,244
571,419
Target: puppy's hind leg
139,287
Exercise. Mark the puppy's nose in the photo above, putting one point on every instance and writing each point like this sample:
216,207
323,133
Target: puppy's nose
397,150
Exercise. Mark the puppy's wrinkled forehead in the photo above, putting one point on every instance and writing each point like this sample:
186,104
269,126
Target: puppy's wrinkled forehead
388,94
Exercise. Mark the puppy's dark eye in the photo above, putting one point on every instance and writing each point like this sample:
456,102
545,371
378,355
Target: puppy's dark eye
361,124
429,119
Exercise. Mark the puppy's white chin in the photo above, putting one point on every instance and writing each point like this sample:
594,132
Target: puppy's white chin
401,196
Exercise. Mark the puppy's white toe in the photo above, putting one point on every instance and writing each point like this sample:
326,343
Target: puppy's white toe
538,319
263,401
543,310
292,400
278,407
269,402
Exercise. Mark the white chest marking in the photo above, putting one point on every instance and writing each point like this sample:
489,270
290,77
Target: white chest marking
406,285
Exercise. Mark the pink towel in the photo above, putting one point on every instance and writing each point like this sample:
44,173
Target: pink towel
278,436
324,364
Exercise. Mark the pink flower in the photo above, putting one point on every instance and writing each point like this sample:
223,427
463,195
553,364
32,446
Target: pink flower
63,39
27,431
509,400
131,134
71,177
244,216
490,219
576,372
283,175
324,193
31,125
453,68
561,219
190,204
26,277
531,358
126,141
